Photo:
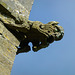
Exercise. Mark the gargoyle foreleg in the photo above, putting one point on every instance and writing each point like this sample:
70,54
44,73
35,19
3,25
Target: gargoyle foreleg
39,45
35,45
23,47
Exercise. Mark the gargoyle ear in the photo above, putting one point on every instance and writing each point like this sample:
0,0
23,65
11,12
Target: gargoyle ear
49,23
53,23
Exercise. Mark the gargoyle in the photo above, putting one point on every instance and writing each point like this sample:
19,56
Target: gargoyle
39,34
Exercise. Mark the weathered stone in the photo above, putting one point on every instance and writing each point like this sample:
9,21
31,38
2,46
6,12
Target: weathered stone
4,70
47,33
6,34
17,8
8,49
16,31
9,39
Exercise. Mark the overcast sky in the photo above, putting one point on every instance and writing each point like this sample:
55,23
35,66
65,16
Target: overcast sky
59,57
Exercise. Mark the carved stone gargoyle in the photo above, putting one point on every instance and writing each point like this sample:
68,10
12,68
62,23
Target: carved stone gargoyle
39,34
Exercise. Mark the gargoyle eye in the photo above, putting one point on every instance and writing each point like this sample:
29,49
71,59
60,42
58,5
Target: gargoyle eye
41,26
53,24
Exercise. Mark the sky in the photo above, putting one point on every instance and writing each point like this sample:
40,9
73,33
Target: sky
59,57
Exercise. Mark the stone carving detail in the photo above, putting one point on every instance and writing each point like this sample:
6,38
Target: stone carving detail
16,31
39,34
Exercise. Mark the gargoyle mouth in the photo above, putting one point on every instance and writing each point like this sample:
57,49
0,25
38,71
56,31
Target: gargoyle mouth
59,34
51,31
50,39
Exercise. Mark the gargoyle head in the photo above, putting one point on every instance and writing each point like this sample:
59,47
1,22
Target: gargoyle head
51,30
58,31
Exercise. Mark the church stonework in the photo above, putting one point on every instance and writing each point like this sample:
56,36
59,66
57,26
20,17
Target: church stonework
16,31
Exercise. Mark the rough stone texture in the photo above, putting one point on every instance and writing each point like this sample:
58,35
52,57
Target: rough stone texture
16,31
21,7
7,50
8,39
47,33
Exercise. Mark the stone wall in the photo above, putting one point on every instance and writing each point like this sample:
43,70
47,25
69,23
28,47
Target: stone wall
8,49
9,42
21,7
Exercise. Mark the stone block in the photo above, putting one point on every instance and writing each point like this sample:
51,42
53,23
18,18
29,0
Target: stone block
22,7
